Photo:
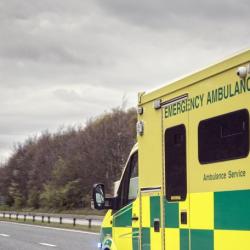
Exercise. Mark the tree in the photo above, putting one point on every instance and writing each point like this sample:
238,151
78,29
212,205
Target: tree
58,170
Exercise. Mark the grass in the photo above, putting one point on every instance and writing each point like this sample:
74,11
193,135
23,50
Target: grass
95,229
83,211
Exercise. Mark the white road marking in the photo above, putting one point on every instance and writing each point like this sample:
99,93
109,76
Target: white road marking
4,235
52,228
47,244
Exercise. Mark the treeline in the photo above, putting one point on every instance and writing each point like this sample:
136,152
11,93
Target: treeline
58,170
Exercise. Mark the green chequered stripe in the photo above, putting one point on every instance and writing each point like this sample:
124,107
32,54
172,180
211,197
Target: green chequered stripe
199,239
145,238
123,218
202,239
105,231
171,214
155,209
135,239
184,239
232,210
155,213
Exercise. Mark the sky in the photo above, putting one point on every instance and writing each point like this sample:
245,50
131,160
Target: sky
63,62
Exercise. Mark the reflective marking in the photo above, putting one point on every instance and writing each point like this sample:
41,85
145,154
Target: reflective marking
4,235
174,100
150,189
47,244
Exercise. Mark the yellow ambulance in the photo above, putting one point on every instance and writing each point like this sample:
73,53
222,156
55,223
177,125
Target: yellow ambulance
186,184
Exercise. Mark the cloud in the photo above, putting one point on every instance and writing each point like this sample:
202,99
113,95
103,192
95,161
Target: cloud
62,62
162,14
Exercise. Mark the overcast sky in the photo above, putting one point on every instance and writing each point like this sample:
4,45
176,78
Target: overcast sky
64,61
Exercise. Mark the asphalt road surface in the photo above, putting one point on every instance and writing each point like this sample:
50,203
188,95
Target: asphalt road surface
15,236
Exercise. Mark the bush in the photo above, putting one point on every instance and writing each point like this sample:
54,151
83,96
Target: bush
34,199
50,198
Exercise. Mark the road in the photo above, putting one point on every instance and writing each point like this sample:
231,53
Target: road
15,236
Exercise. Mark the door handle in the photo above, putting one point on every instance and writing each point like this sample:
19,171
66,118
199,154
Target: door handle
157,225
184,217
135,218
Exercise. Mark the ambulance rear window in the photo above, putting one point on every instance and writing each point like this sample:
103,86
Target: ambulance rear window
175,163
224,137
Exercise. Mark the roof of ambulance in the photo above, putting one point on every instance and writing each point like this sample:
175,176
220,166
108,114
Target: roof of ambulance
226,64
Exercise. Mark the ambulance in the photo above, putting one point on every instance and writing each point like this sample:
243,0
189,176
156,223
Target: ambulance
186,184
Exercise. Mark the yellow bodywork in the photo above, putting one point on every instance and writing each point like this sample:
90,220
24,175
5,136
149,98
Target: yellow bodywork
208,203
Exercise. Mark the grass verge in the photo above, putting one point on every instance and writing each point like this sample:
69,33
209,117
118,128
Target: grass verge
95,229
83,211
